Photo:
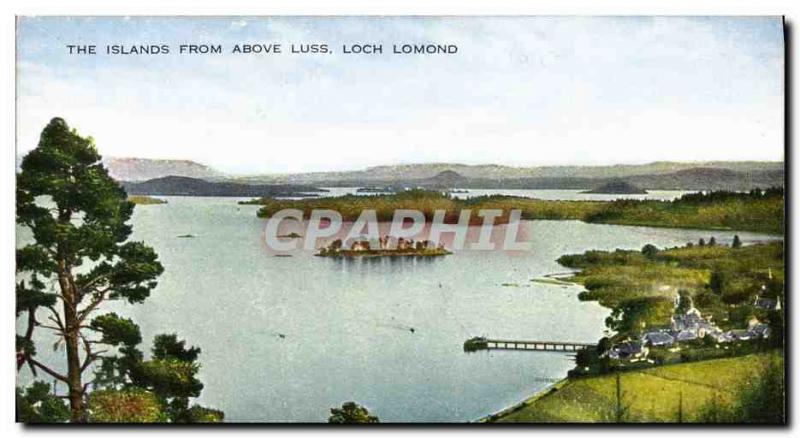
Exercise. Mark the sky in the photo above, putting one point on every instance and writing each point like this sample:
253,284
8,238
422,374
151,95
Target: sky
520,91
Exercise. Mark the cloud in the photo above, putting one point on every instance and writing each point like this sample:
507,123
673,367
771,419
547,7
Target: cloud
596,90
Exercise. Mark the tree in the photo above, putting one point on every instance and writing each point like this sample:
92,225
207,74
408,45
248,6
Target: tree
776,323
759,400
78,217
717,282
170,377
604,345
351,413
684,302
712,241
649,251
737,243
701,242
35,404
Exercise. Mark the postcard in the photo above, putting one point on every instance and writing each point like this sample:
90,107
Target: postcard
375,219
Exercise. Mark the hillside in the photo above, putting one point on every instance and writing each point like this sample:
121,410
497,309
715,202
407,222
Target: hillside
654,176
540,174
143,169
660,394
183,186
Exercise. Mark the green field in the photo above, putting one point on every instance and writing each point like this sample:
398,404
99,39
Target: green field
660,394
145,200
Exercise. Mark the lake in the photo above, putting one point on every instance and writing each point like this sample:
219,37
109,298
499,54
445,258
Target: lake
346,323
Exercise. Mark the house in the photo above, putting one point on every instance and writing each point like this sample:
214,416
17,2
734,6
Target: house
767,303
658,339
690,321
741,335
758,329
686,335
721,337
628,351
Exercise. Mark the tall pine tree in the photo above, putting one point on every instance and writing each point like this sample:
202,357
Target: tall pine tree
80,257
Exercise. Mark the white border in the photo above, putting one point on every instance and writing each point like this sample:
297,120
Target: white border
10,8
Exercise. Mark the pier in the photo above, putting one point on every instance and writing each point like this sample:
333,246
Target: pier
480,343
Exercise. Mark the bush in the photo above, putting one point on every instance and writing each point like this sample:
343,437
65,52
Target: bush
125,406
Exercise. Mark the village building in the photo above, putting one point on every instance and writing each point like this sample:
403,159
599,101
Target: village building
741,335
721,337
628,351
767,303
686,335
758,329
658,339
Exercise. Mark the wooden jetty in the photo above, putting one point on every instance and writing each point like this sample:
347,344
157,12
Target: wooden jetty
480,343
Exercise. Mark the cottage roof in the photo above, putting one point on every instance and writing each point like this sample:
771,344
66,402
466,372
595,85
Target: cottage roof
658,338
766,303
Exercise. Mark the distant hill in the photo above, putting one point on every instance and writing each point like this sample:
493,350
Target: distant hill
494,172
184,186
446,179
617,187
709,178
143,169
762,175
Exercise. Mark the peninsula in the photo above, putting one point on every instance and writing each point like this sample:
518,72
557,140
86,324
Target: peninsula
757,210
617,188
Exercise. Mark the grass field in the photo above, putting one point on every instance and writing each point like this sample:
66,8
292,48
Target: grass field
145,200
649,395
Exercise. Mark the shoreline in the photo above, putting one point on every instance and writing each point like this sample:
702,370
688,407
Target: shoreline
490,418
494,416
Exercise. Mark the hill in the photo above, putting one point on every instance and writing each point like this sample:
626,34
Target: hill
494,172
443,180
184,186
143,169
743,175
659,394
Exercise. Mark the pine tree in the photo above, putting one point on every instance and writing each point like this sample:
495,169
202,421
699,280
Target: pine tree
79,218
717,282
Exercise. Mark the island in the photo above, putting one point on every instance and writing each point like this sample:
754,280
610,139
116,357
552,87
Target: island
145,200
617,188
375,190
386,247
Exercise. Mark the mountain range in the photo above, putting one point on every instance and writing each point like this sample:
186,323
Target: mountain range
149,176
